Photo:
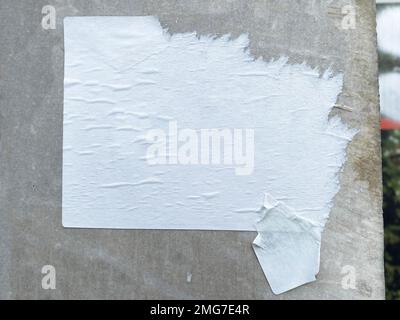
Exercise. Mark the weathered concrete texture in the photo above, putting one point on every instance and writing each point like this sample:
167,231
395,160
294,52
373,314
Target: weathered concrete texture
155,264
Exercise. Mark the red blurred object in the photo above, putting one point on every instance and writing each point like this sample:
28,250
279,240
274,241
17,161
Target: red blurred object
389,124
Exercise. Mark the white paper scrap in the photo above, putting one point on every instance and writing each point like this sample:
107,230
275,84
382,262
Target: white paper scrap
287,246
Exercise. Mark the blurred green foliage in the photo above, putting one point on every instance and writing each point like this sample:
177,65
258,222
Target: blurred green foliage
391,209
388,62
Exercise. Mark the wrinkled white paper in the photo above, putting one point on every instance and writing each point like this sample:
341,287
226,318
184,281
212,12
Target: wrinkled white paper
126,76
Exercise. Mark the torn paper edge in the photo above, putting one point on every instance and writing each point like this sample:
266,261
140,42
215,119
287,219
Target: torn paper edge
287,246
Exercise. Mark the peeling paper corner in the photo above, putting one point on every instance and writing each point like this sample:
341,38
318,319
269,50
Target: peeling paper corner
287,246
289,241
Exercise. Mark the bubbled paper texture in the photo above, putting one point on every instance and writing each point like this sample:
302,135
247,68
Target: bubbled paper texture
125,76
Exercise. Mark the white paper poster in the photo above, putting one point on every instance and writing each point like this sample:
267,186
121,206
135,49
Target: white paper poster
180,131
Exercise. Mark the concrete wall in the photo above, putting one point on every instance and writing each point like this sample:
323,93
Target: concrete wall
155,264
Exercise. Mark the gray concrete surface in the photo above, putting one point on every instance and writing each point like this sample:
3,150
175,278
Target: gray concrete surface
154,264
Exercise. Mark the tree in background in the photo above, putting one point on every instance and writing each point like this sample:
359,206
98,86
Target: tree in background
391,208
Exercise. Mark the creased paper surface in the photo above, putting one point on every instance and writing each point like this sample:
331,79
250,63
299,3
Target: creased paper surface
127,79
